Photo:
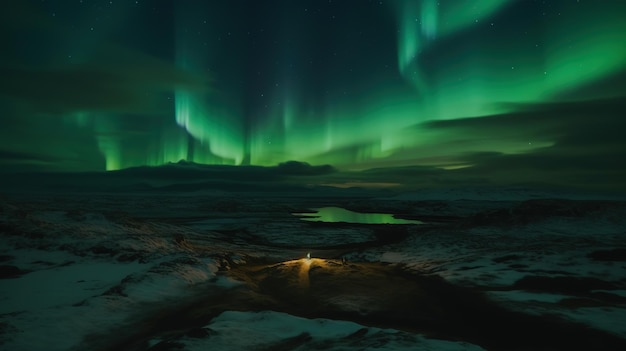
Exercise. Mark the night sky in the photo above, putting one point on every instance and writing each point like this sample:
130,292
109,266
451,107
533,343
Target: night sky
513,90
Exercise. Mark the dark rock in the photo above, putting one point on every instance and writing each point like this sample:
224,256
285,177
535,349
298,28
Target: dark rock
608,297
616,255
567,285
117,290
130,257
518,266
561,207
35,234
67,263
8,229
540,209
7,272
357,334
390,233
200,333
102,250
488,218
467,268
506,258
596,299
180,239
6,328
580,302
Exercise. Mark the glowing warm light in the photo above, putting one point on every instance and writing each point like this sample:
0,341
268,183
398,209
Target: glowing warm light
308,255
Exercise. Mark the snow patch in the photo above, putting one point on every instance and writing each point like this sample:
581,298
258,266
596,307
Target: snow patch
274,330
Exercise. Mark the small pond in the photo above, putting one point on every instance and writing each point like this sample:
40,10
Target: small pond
338,214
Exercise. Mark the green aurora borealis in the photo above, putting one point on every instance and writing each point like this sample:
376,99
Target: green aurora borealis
94,85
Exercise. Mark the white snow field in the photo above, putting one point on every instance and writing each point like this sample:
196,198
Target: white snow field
274,330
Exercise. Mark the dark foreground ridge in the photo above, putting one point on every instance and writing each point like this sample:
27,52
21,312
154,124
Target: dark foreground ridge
371,294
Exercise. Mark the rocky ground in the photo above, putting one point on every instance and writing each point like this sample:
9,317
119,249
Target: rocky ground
513,270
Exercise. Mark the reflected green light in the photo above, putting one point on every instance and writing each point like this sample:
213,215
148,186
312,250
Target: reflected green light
337,214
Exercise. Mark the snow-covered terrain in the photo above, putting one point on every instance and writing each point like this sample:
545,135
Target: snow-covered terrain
269,330
519,270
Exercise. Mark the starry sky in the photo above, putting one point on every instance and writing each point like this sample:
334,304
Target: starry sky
505,90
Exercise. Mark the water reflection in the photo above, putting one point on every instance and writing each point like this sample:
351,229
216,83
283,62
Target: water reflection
338,214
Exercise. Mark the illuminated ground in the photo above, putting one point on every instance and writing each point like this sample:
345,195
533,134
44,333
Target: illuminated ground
230,272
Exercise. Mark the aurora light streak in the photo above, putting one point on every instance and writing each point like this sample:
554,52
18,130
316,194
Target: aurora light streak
195,110
356,84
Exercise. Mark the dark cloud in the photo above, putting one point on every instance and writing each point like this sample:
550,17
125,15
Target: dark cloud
45,142
49,66
181,176
36,161
188,171
131,85
613,85
18,156
20,15
588,147
573,143
69,92
556,117
303,169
